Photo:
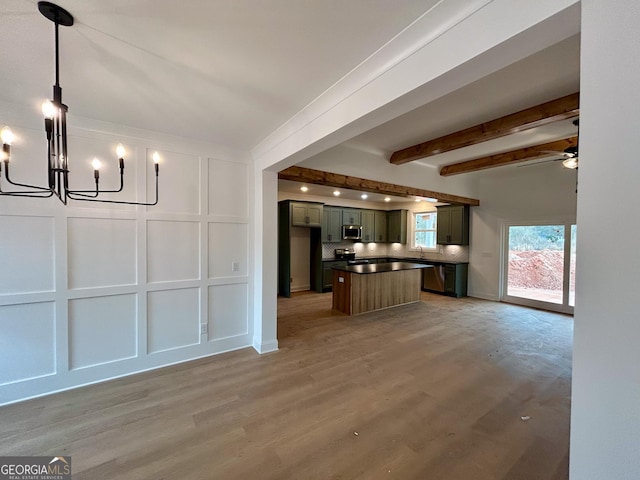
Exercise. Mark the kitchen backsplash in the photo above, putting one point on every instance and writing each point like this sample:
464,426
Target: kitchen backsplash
450,253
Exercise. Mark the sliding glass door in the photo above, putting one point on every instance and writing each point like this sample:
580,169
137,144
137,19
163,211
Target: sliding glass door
539,266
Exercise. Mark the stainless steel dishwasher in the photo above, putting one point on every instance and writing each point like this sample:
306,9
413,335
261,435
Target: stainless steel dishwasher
433,278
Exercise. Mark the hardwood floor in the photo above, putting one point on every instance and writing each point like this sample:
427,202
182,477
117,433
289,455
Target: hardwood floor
431,390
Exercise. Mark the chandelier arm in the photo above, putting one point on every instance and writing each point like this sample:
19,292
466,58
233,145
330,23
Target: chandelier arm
73,196
82,192
26,193
86,195
17,184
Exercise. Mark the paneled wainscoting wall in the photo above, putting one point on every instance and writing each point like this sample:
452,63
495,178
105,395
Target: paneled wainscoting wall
93,291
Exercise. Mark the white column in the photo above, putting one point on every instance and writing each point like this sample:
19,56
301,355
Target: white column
265,261
605,424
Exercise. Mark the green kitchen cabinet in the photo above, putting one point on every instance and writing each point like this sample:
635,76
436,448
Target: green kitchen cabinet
453,225
455,279
351,216
306,214
380,221
327,273
397,229
285,225
331,224
368,226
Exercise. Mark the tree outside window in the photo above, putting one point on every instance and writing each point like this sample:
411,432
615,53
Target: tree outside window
424,230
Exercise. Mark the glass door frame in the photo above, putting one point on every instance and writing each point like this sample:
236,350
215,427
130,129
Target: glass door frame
566,273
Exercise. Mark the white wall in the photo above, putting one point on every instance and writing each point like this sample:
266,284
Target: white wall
537,193
95,291
605,404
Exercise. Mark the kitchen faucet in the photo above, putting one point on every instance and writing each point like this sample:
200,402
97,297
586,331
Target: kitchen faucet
420,247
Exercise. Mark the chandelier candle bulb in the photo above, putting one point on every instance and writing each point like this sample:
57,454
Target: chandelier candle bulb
7,136
156,161
120,153
96,168
48,109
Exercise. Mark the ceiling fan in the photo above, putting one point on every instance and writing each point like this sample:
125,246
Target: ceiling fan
569,156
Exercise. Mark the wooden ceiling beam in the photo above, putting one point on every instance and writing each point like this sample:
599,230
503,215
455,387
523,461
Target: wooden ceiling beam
508,158
319,177
543,114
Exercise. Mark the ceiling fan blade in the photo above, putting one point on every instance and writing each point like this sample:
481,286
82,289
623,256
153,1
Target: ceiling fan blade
560,154
531,164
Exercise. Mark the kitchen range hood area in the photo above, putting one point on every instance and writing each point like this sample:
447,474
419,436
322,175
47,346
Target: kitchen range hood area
315,239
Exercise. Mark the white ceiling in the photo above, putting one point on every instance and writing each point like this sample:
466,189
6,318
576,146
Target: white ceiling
232,72
547,75
229,71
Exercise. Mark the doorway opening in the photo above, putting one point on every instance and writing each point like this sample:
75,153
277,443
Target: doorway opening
539,265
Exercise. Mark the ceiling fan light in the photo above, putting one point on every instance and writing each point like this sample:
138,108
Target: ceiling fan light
570,163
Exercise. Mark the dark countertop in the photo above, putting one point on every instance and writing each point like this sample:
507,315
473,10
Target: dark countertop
381,267
401,259
434,262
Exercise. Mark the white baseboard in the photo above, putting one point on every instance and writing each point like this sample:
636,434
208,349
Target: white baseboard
485,296
265,347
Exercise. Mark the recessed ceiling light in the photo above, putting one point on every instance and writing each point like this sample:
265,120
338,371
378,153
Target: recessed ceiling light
336,193
304,189
364,196
387,199
418,199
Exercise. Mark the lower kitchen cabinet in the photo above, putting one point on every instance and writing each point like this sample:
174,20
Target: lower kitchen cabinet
327,273
455,279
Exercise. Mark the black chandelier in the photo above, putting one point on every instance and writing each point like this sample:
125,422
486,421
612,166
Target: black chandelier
55,123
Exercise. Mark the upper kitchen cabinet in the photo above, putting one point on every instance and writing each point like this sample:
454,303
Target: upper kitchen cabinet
453,225
380,220
331,224
368,226
397,231
351,216
306,214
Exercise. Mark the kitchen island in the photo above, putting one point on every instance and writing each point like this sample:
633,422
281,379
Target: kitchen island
364,288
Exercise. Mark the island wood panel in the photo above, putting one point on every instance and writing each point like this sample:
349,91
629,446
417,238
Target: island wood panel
342,292
360,293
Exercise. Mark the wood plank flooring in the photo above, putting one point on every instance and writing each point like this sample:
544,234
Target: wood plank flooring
431,390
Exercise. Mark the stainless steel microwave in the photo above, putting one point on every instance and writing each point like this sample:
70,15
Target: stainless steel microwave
352,232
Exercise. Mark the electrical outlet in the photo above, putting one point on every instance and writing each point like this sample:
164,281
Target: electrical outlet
235,266
203,328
